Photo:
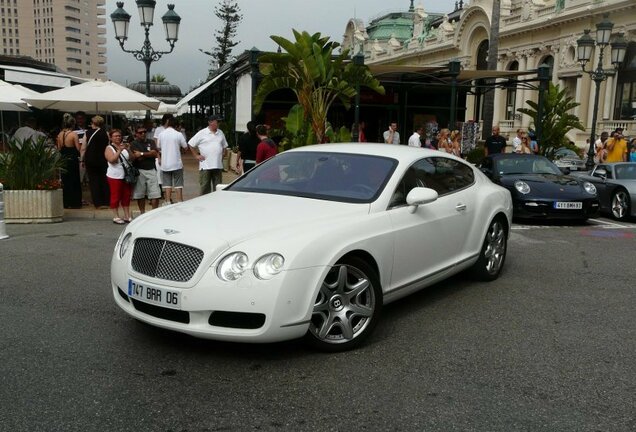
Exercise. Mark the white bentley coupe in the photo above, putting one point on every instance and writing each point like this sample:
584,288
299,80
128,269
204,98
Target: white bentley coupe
311,243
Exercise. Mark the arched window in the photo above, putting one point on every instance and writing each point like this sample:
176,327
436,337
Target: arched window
625,106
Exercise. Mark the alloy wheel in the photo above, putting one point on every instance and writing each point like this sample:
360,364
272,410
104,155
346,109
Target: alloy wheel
495,247
344,307
620,204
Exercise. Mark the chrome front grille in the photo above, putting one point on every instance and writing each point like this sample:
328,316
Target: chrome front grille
165,259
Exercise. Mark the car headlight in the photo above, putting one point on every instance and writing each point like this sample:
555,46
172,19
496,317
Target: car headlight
522,187
123,246
232,266
268,266
589,188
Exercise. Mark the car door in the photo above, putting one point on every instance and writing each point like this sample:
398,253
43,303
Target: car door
603,188
428,240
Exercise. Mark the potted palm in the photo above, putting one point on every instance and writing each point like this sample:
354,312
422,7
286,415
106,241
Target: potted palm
30,172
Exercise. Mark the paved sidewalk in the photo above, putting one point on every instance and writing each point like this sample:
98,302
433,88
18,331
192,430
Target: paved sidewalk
190,190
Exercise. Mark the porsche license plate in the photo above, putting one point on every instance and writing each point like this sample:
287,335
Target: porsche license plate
568,205
154,295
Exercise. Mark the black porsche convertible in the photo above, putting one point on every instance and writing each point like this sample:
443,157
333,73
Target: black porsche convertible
540,189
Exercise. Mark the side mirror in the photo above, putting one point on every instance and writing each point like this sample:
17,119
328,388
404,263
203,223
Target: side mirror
565,170
600,173
486,171
419,196
220,186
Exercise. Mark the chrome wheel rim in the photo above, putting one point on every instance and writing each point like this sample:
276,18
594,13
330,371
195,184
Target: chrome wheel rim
344,306
619,205
495,247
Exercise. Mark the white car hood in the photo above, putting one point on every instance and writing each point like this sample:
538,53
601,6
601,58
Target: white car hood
225,218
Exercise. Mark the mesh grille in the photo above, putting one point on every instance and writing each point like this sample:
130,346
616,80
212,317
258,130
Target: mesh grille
165,259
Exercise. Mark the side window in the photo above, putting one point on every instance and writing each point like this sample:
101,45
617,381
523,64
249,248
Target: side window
448,175
414,177
440,174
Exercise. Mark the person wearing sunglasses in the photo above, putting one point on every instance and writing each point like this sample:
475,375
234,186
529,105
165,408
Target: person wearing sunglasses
147,185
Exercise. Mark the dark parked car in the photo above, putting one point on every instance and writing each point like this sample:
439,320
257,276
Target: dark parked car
540,189
616,186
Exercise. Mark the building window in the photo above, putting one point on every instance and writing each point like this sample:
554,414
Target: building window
625,107
511,94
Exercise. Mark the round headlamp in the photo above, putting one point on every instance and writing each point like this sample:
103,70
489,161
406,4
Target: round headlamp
269,266
123,246
522,187
589,188
232,266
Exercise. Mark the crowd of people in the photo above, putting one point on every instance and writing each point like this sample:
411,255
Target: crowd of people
140,162
103,159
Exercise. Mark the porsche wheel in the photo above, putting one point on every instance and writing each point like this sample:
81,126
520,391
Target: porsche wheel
493,252
347,306
620,204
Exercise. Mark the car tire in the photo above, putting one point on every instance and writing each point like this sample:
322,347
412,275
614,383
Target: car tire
620,205
346,308
493,252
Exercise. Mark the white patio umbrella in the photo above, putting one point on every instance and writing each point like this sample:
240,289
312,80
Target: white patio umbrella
94,96
164,108
11,100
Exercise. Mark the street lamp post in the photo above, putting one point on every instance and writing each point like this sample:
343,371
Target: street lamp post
358,60
584,53
454,67
543,74
146,54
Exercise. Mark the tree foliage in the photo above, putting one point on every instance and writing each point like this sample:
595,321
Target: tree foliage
228,12
308,67
556,120
158,78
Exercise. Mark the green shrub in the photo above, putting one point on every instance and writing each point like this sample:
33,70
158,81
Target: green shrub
30,165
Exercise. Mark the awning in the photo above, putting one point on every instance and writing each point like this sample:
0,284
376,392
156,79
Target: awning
384,71
33,76
183,103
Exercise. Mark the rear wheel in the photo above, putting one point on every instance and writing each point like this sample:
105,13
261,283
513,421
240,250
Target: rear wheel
620,204
347,306
493,252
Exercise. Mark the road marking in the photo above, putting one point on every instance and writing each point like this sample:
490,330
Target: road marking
593,223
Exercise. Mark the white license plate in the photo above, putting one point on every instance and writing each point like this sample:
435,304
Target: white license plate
568,205
154,295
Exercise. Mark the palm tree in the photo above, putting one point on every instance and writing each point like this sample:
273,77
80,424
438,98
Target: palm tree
315,74
556,120
158,78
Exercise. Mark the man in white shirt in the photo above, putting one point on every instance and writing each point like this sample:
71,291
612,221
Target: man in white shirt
392,136
28,132
516,141
170,142
209,146
414,140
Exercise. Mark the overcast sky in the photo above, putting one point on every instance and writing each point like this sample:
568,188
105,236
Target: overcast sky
186,66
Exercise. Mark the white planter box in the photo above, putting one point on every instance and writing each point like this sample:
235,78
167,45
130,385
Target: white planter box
33,206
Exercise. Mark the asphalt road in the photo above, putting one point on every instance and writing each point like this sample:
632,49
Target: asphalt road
549,346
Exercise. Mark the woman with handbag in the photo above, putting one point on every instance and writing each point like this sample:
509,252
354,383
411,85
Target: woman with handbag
119,176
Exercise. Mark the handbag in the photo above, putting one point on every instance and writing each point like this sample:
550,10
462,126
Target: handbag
130,171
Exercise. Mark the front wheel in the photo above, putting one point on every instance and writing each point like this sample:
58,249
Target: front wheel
347,306
493,252
620,204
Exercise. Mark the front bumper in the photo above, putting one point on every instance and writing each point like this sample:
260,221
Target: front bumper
247,310
544,209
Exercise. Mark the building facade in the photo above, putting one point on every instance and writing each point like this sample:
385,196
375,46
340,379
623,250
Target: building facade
531,33
70,34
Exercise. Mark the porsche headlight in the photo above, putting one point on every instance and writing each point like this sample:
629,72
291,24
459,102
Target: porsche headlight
232,266
123,246
269,266
589,188
522,187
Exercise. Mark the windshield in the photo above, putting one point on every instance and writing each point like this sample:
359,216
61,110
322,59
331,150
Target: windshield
625,171
565,152
332,176
526,165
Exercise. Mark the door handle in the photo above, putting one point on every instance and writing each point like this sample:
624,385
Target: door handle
460,207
